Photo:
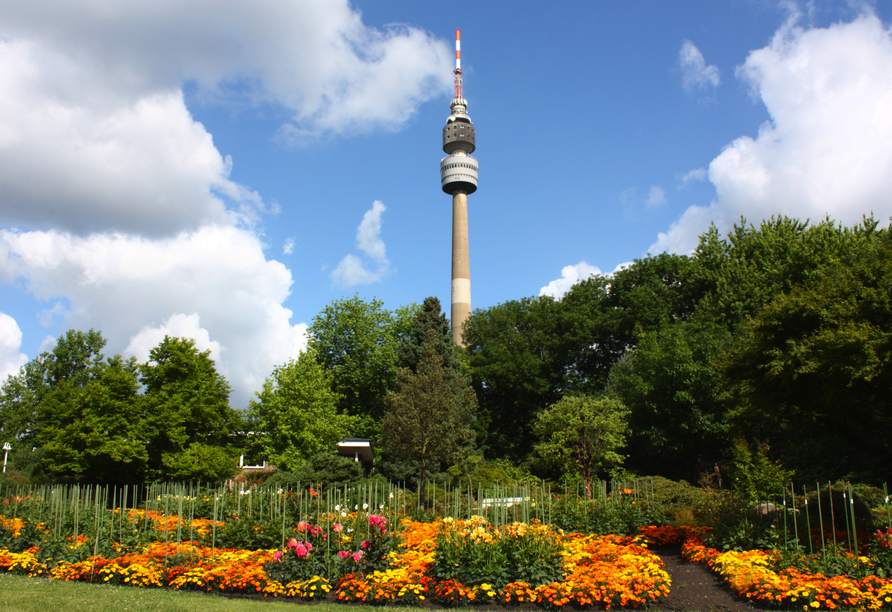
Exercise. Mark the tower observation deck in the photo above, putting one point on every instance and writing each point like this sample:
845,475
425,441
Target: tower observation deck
458,178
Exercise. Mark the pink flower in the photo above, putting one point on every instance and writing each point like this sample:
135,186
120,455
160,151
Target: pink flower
316,530
309,546
300,550
383,532
302,526
337,528
343,554
365,544
292,543
277,556
357,556
378,521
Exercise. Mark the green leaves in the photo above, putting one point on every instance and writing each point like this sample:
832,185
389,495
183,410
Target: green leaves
357,341
297,413
429,415
582,434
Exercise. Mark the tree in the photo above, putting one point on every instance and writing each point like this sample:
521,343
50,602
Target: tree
672,384
95,432
813,371
72,363
517,368
357,341
187,403
581,433
429,416
429,318
296,413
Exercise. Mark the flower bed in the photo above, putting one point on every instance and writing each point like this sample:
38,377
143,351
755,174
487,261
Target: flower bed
754,575
604,571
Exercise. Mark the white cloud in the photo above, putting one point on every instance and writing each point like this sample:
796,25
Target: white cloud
315,58
368,234
656,197
355,271
695,74
695,175
175,326
828,147
11,359
118,207
288,247
127,286
570,275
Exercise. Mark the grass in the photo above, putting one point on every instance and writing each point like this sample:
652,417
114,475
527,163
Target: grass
23,594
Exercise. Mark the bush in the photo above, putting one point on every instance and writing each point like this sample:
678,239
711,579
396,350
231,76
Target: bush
327,469
676,499
754,475
474,553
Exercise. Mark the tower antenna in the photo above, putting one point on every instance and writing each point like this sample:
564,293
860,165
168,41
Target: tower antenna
457,70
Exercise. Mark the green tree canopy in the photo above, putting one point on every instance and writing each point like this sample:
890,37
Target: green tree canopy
814,368
186,403
429,416
296,413
357,341
429,318
582,434
672,384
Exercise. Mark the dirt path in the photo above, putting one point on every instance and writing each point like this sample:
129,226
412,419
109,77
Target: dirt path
695,588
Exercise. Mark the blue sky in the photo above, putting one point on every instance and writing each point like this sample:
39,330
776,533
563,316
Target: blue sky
224,170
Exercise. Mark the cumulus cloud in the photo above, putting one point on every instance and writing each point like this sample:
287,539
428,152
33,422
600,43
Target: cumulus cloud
695,74
656,197
94,133
570,275
118,208
827,149
175,326
315,58
11,359
128,286
353,270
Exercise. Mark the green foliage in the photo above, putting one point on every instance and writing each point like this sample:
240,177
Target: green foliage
357,343
581,434
619,515
327,469
296,413
754,476
516,370
672,384
814,368
428,319
481,554
429,416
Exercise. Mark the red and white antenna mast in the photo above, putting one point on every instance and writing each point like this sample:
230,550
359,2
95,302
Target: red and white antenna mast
457,65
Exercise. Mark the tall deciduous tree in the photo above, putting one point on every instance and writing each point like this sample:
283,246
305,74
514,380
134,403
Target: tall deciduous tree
429,416
357,341
672,384
95,432
296,413
187,403
582,434
813,373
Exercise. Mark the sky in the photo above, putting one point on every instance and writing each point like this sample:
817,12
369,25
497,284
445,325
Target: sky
223,170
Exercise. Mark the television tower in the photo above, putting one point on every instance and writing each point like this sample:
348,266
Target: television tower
458,177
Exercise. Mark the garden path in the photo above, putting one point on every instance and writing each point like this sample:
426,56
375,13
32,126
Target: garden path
695,588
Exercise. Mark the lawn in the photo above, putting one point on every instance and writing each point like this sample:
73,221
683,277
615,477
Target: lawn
24,594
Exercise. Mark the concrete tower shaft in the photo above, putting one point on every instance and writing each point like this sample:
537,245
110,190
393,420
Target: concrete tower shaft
458,177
